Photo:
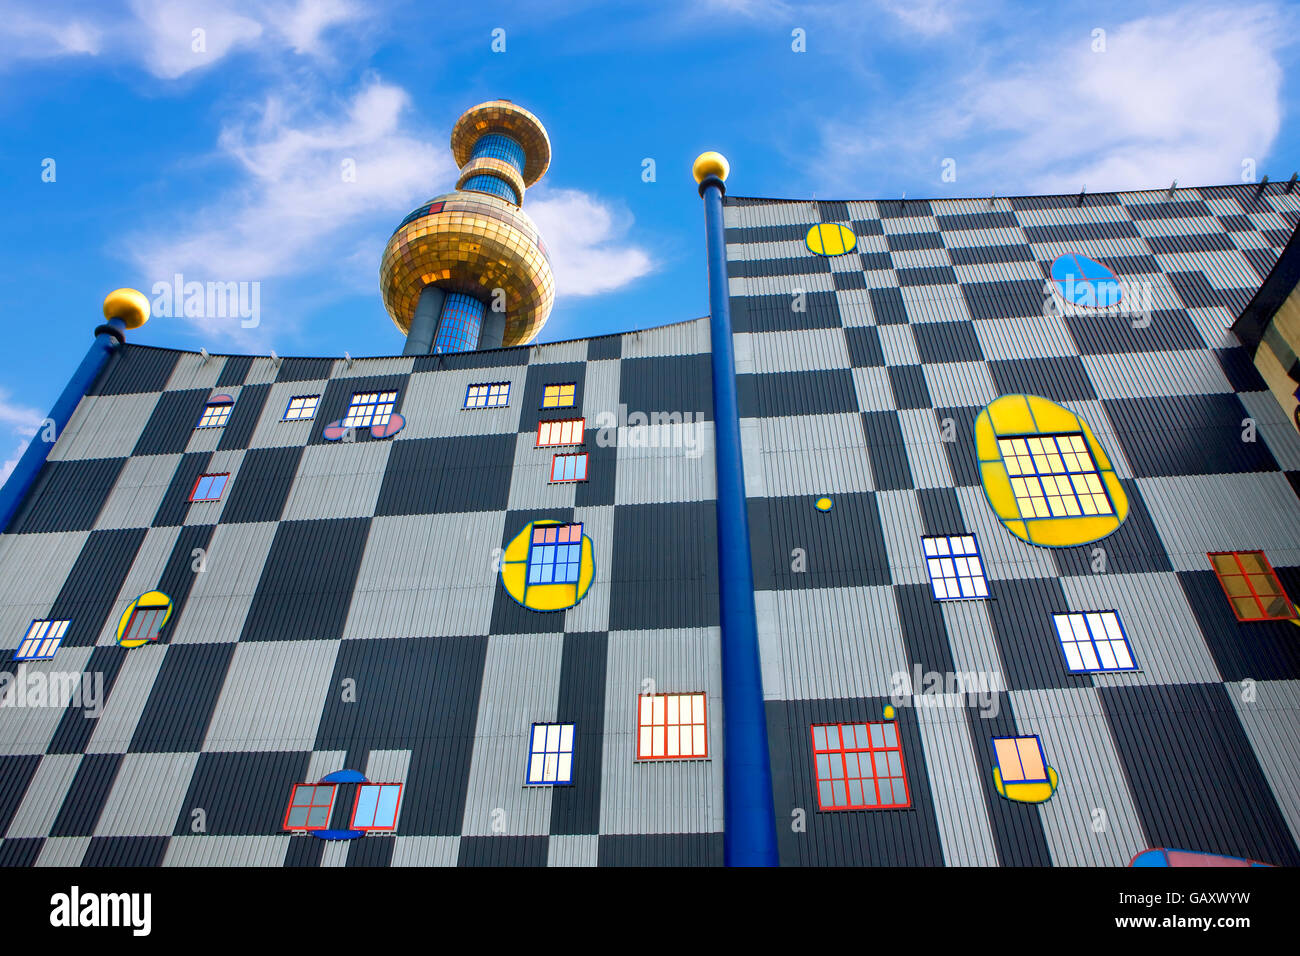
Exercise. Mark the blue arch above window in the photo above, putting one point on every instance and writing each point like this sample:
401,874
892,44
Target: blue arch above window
1085,282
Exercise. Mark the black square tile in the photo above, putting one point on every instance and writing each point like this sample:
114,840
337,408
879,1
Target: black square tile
938,342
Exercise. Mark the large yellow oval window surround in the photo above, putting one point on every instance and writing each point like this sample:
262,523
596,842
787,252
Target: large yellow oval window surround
548,566
830,239
1045,474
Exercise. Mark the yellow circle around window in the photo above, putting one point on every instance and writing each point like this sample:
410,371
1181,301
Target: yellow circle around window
1045,474
831,239
542,592
153,609
824,504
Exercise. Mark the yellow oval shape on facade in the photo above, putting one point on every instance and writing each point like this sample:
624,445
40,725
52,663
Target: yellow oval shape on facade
548,566
831,239
142,621
1044,473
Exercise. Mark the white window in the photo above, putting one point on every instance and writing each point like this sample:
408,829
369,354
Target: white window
301,408
956,570
41,640
370,409
550,754
671,727
560,433
1054,476
1094,641
215,414
488,395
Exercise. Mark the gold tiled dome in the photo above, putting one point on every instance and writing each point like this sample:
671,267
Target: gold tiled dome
473,243
502,116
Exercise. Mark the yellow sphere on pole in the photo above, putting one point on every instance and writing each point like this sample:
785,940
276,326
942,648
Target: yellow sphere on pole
128,305
711,164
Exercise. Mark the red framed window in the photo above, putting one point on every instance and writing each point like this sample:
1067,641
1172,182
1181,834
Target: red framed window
569,468
209,487
566,432
376,806
859,766
672,727
310,806
145,623
1252,586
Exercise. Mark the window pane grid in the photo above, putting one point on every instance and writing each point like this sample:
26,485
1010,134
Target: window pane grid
376,806
214,415
209,488
1252,586
1094,642
550,754
569,468
555,554
559,396
955,566
859,766
145,624
488,395
41,640
309,807
369,409
566,432
1020,759
672,727
301,408
1054,476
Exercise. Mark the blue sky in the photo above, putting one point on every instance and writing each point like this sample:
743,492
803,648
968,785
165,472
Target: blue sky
224,163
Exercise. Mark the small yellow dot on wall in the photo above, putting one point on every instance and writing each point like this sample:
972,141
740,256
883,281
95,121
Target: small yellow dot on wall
824,504
889,712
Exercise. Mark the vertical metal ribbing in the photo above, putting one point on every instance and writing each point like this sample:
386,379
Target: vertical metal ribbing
750,824
419,339
29,466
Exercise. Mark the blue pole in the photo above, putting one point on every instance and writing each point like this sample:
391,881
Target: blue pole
29,466
749,838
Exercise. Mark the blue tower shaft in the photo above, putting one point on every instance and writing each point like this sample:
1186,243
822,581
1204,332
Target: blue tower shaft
749,838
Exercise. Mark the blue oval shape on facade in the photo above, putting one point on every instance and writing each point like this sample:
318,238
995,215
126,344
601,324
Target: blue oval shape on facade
1085,282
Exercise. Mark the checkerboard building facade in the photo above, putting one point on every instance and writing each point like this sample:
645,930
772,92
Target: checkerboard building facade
340,606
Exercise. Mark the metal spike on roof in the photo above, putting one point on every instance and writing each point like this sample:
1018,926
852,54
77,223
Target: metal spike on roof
1290,185
1081,194
1260,188
1172,187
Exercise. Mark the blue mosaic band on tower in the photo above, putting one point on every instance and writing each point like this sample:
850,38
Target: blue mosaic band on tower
459,326
484,183
500,146
749,837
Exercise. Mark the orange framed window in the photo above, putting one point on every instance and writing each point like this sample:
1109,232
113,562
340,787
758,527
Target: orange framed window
860,766
1252,586
566,432
672,727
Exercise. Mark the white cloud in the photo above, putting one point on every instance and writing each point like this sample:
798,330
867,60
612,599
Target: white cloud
170,38
295,206
1186,95
20,422
583,238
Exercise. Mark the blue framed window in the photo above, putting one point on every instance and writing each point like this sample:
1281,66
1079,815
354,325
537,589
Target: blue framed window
956,569
569,468
488,395
1094,642
215,414
41,640
550,755
376,806
301,408
1021,759
555,554
369,409
1054,476
209,487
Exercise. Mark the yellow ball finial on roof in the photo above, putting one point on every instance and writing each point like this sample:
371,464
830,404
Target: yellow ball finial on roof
711,164
128,305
